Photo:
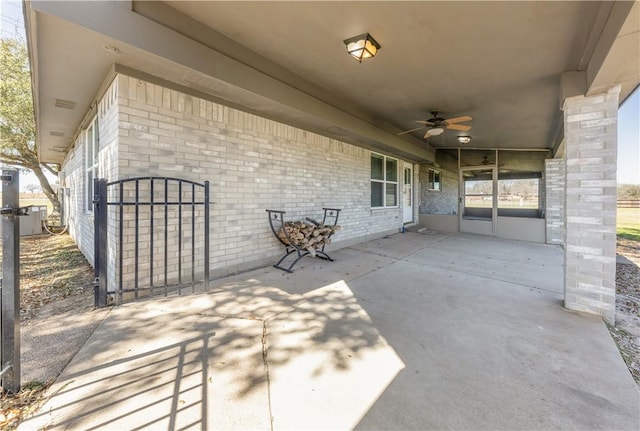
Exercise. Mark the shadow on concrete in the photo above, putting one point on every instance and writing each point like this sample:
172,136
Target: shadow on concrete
203,360
171,369
386,337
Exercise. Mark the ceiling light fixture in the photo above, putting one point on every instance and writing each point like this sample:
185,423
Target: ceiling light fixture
435,131
361,47
464,139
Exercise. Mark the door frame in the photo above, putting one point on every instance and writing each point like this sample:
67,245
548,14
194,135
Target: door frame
481,227
405,167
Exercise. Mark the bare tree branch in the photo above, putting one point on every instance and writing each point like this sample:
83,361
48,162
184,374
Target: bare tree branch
17,125
48,167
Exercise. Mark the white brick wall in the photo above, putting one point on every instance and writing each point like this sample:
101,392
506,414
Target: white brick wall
444,201
555,199
252,164
77,220
74,171
590,211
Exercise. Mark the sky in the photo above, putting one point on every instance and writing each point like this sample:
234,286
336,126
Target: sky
629,140
11,24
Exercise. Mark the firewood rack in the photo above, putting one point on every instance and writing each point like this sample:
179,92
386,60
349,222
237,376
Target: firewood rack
277,223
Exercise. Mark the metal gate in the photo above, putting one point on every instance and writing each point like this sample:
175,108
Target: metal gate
151,238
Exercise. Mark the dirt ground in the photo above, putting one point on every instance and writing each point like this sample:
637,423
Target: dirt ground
56,318
626,331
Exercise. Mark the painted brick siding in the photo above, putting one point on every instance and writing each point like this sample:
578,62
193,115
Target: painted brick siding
590,251
252,164
444,201
76,217
555,196
80,221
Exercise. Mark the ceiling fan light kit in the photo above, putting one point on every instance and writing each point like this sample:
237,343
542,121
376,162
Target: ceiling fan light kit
362,46
436,126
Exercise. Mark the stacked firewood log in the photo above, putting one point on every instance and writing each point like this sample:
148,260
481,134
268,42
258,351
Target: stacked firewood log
309,235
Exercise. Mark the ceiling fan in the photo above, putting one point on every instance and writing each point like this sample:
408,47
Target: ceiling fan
486,162
436,125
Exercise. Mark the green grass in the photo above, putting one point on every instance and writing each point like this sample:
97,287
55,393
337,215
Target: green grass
628,224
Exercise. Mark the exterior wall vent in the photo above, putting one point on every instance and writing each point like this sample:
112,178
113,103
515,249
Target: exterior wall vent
57,134
203,83
66,104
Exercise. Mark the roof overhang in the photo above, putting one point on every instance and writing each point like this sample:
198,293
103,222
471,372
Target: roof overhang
498,62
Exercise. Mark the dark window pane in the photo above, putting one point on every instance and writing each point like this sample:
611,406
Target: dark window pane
90,155
90,191
96,142
392,195
392,170
434,180
376,194
377,170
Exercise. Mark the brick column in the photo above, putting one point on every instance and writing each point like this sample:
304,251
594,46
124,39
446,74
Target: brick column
555,178
590,211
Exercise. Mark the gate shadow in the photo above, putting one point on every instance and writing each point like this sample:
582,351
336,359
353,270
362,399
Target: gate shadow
164,387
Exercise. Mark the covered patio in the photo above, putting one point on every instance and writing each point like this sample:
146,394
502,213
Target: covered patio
497,118
409,331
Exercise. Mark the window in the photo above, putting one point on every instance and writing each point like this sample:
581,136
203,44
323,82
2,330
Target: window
478,193
384,181
92,141
519,193
434,180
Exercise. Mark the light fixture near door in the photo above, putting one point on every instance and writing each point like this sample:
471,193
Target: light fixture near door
361,47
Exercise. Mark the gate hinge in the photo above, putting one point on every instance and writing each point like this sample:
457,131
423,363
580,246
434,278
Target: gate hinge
20,211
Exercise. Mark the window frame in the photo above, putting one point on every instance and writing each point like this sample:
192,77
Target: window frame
92,143
538,182
430,183
385,181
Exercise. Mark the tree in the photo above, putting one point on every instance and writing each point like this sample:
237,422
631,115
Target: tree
17,124
32,188
629,191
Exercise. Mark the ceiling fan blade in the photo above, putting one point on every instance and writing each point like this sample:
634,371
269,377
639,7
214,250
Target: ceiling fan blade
459,119
427,123
427,135
412,130
461,127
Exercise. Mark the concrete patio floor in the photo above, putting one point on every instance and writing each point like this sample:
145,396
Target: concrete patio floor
409,331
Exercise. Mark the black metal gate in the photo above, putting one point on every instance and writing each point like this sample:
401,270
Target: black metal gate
151,237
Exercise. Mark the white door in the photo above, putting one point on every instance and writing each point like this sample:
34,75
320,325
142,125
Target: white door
407,196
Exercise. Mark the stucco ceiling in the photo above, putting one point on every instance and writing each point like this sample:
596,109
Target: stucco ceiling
499,62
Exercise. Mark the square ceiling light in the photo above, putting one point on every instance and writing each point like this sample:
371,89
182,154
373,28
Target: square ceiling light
361,47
